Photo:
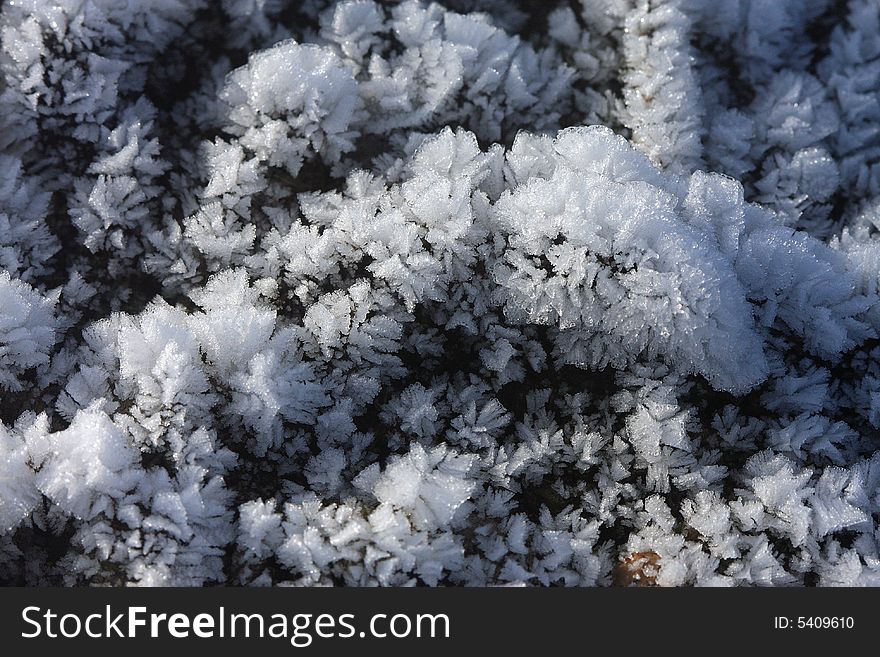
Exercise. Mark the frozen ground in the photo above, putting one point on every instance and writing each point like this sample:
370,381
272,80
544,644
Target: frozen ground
464,293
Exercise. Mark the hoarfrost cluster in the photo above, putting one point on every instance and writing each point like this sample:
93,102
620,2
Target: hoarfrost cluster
460,293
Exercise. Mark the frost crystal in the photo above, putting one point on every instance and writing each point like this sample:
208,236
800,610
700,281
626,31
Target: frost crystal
440,293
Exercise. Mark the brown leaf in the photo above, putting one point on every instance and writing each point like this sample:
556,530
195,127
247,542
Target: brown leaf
637,569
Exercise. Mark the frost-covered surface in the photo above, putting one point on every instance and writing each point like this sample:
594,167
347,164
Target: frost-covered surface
461,293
